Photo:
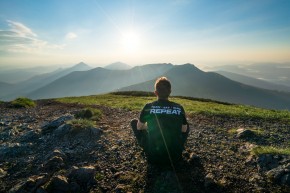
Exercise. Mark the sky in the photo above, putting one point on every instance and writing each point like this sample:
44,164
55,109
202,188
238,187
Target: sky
100,32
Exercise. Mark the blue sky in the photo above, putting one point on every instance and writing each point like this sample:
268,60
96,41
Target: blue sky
99,32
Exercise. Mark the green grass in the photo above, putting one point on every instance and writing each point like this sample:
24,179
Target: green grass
270,150
81,123
192,106
23,102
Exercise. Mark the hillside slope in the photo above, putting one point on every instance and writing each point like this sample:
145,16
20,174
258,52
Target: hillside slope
187,80
98,80
38,81
41,152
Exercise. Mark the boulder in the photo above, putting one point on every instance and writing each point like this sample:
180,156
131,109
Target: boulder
267,162
58,184
54,164
62,130
279,175
55,124
245,133
84,176
30,185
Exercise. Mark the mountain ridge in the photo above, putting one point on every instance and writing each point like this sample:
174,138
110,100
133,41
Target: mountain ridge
188,80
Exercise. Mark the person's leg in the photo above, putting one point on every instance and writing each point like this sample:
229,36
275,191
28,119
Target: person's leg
141,135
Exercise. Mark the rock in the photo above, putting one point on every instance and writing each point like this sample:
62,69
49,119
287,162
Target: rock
193,159
41,190
4,123
84,176
279,175
8,133
267,162
30,185
59,153
55,124
62,130
96,131
209,182
29,136
285,179
84,135
14,149
2,173
121,188
58,184
245,134
251,160
54,164
74,187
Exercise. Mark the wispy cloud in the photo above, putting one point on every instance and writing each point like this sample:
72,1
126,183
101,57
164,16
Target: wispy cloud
70,36
21,39
21,29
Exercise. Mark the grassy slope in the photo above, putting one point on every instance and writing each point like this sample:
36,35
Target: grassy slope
192,106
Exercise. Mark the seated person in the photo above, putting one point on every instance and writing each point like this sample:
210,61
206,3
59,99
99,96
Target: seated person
162,127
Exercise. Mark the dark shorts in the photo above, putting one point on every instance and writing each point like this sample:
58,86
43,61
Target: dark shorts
142,140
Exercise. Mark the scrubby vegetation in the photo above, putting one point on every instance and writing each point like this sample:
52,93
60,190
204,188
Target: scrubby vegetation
23,102
270,150
89,113
81,123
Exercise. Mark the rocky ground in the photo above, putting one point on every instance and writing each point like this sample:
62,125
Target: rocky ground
40,153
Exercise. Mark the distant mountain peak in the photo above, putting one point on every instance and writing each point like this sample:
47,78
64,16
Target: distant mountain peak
118,66
187,67
81,66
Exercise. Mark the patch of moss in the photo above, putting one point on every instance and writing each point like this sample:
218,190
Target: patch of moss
23,102
80,124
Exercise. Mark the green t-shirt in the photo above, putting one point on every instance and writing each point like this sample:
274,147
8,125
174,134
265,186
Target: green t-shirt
164,121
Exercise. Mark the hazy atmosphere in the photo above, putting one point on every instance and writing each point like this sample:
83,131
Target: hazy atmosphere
164,96
53,32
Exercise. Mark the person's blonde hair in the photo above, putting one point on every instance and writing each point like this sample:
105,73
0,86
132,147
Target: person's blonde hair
163,87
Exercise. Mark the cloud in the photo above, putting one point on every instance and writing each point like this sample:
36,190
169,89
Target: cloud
21,29
21,39
70,36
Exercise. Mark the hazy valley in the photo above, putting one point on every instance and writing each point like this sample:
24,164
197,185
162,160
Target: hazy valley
187,80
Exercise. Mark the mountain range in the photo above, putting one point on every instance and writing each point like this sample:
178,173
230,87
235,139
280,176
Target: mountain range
187,80
254,81
272,72
11,91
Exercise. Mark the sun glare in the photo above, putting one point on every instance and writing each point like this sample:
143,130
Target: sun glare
130,41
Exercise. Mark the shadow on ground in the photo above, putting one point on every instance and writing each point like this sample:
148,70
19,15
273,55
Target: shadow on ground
184,177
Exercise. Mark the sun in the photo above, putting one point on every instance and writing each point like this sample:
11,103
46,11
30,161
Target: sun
130,41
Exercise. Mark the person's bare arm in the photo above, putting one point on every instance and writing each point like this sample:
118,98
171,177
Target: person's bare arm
184,129
141,126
